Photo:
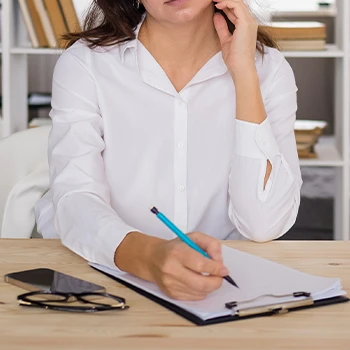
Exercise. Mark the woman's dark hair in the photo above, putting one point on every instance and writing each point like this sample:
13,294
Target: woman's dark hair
109,22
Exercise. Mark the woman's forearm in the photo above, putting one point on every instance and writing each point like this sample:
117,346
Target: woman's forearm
134,252
249,102
250,106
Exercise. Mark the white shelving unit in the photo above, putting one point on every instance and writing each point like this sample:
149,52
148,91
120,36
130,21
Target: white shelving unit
332,151
304,8
332,51
33,51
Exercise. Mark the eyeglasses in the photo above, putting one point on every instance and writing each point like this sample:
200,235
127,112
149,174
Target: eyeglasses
55,301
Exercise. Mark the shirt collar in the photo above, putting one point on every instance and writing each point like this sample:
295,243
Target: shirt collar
152,74
130,44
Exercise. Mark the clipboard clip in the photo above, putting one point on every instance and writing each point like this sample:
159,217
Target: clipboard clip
273,309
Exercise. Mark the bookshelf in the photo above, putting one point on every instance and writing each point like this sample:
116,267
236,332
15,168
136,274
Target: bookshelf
332,151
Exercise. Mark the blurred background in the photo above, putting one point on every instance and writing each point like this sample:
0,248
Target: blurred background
314,39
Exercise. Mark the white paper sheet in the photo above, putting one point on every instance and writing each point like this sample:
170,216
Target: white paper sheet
255,277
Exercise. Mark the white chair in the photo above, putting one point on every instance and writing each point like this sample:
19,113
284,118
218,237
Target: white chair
24,179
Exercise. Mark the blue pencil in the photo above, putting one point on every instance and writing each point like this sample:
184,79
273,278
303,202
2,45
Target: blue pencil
186,239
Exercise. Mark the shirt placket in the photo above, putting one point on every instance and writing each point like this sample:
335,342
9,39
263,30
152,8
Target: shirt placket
180,162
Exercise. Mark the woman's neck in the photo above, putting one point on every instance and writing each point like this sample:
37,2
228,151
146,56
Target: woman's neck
191,44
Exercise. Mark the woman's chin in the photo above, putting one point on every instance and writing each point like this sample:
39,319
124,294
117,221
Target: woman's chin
183,17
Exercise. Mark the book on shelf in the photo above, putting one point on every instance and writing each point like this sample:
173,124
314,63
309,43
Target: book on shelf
29,22
70,15
301,45
307,134
47,20
57,20
39,100
299,35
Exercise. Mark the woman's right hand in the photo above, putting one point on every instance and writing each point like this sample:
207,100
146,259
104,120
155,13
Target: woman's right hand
179,271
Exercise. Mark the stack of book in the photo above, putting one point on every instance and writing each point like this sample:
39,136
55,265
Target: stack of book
307,133
48,20
299,36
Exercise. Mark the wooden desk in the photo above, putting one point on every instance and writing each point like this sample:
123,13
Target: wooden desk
147,325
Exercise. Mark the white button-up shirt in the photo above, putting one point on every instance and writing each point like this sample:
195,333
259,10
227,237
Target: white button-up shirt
123,140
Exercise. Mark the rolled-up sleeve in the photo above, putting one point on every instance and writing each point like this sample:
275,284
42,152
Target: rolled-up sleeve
266,212
84,219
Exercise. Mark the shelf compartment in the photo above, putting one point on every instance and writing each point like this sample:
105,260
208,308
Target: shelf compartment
327,154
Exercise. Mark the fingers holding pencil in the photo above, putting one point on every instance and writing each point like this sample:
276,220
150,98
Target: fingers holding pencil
209,244
182,273
192,244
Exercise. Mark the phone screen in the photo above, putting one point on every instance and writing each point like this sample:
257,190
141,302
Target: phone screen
50,280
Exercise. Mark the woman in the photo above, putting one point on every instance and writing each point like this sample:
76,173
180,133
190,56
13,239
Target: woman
159,104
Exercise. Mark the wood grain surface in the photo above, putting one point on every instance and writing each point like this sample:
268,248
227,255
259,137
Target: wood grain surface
147,325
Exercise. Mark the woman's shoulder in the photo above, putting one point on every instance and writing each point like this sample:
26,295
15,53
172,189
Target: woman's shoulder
82,51
272,59
272,53
273,65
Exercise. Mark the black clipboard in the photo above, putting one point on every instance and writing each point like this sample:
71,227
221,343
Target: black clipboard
269,310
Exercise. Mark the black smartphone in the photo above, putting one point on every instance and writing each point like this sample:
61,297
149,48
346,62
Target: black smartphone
49,280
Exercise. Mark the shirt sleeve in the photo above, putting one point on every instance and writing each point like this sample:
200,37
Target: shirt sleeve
266,213
84,218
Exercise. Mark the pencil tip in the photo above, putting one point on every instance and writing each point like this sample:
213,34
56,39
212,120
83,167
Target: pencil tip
231,281
154,210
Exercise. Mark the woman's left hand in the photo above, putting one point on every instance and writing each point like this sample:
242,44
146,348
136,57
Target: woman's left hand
239,48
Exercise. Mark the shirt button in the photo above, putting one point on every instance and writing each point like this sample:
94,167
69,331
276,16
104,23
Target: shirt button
180,102
181,188
180,144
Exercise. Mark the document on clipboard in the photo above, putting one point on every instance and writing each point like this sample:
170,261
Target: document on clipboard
265,288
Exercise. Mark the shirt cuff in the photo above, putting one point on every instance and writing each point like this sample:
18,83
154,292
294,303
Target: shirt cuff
255,140
109,239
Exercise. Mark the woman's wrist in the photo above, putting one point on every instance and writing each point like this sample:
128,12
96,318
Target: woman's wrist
134,254
244,75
